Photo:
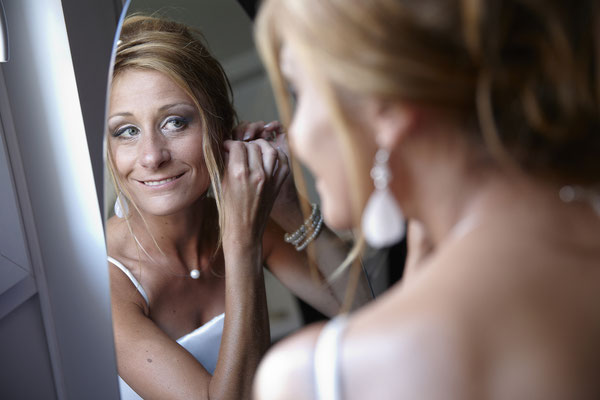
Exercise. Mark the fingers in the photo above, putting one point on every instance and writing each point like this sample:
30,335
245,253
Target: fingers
255,162
282,143
238,131
253,130
269,156
258,157
248,131
236,157
273,126
272,131
282,168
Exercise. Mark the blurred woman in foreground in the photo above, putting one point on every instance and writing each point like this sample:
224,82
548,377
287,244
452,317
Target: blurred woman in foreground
479,121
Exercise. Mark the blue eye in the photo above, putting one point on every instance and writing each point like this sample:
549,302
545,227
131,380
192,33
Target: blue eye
175,124
126,131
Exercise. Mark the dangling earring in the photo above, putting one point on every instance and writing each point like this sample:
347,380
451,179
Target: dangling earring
121,206
382,219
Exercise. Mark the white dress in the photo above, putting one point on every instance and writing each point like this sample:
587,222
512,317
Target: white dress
328,379
203,343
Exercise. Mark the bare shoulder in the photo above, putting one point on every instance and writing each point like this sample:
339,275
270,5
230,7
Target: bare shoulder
388,350
460,328
396,347
286,370
124,294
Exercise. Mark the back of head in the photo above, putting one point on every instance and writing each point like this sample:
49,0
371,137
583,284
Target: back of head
521,76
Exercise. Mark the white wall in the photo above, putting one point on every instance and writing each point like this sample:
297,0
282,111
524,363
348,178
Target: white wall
55,330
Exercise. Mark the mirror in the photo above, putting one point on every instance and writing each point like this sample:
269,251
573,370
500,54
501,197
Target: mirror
228,33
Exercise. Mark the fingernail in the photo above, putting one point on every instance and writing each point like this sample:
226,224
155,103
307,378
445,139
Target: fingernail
246,136
268,125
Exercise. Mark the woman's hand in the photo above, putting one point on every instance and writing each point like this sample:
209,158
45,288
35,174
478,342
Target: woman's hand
248,131
254,173
290,266
286,209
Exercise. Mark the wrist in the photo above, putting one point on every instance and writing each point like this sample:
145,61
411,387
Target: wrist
247,249
308,230
234,244
241,235
288,216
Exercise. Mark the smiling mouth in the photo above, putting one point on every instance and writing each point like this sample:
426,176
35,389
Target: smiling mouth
162,181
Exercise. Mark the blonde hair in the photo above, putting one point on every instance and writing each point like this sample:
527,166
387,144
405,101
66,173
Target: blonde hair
172,48
522,76
524,73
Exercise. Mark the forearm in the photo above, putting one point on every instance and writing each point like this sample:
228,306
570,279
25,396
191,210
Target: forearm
306,272
329,252
246,330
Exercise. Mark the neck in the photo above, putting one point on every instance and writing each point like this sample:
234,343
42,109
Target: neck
452,187
447,183
455,206
184,239
452,213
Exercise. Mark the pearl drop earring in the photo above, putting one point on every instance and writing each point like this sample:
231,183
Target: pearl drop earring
383,222
121,207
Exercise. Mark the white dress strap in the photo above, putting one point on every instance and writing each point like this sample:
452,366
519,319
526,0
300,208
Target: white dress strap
328,382
127,272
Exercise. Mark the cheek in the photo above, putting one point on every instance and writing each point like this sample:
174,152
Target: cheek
315,144
335,194
123,159
300,141
308,130
189,150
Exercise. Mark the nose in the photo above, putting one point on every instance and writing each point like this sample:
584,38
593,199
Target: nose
153,151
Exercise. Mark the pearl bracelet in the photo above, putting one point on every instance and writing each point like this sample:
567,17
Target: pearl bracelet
308,231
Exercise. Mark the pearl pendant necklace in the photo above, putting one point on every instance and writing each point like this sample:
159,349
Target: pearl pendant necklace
195,273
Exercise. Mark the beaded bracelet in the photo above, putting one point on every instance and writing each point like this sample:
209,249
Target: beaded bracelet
308,231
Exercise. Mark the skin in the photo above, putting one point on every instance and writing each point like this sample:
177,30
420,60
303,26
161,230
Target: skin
500,299
316,148
155,136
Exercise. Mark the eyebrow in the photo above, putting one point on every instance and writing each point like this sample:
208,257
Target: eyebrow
168,106
163,108
121,114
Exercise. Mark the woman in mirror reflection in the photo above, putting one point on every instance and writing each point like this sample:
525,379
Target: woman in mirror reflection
478,120
198,215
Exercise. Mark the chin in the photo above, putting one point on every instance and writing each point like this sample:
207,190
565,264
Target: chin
162,209
337,218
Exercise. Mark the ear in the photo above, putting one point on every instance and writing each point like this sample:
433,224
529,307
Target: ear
393,123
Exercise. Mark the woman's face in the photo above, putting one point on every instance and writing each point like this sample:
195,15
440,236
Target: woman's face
315,142
155,136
